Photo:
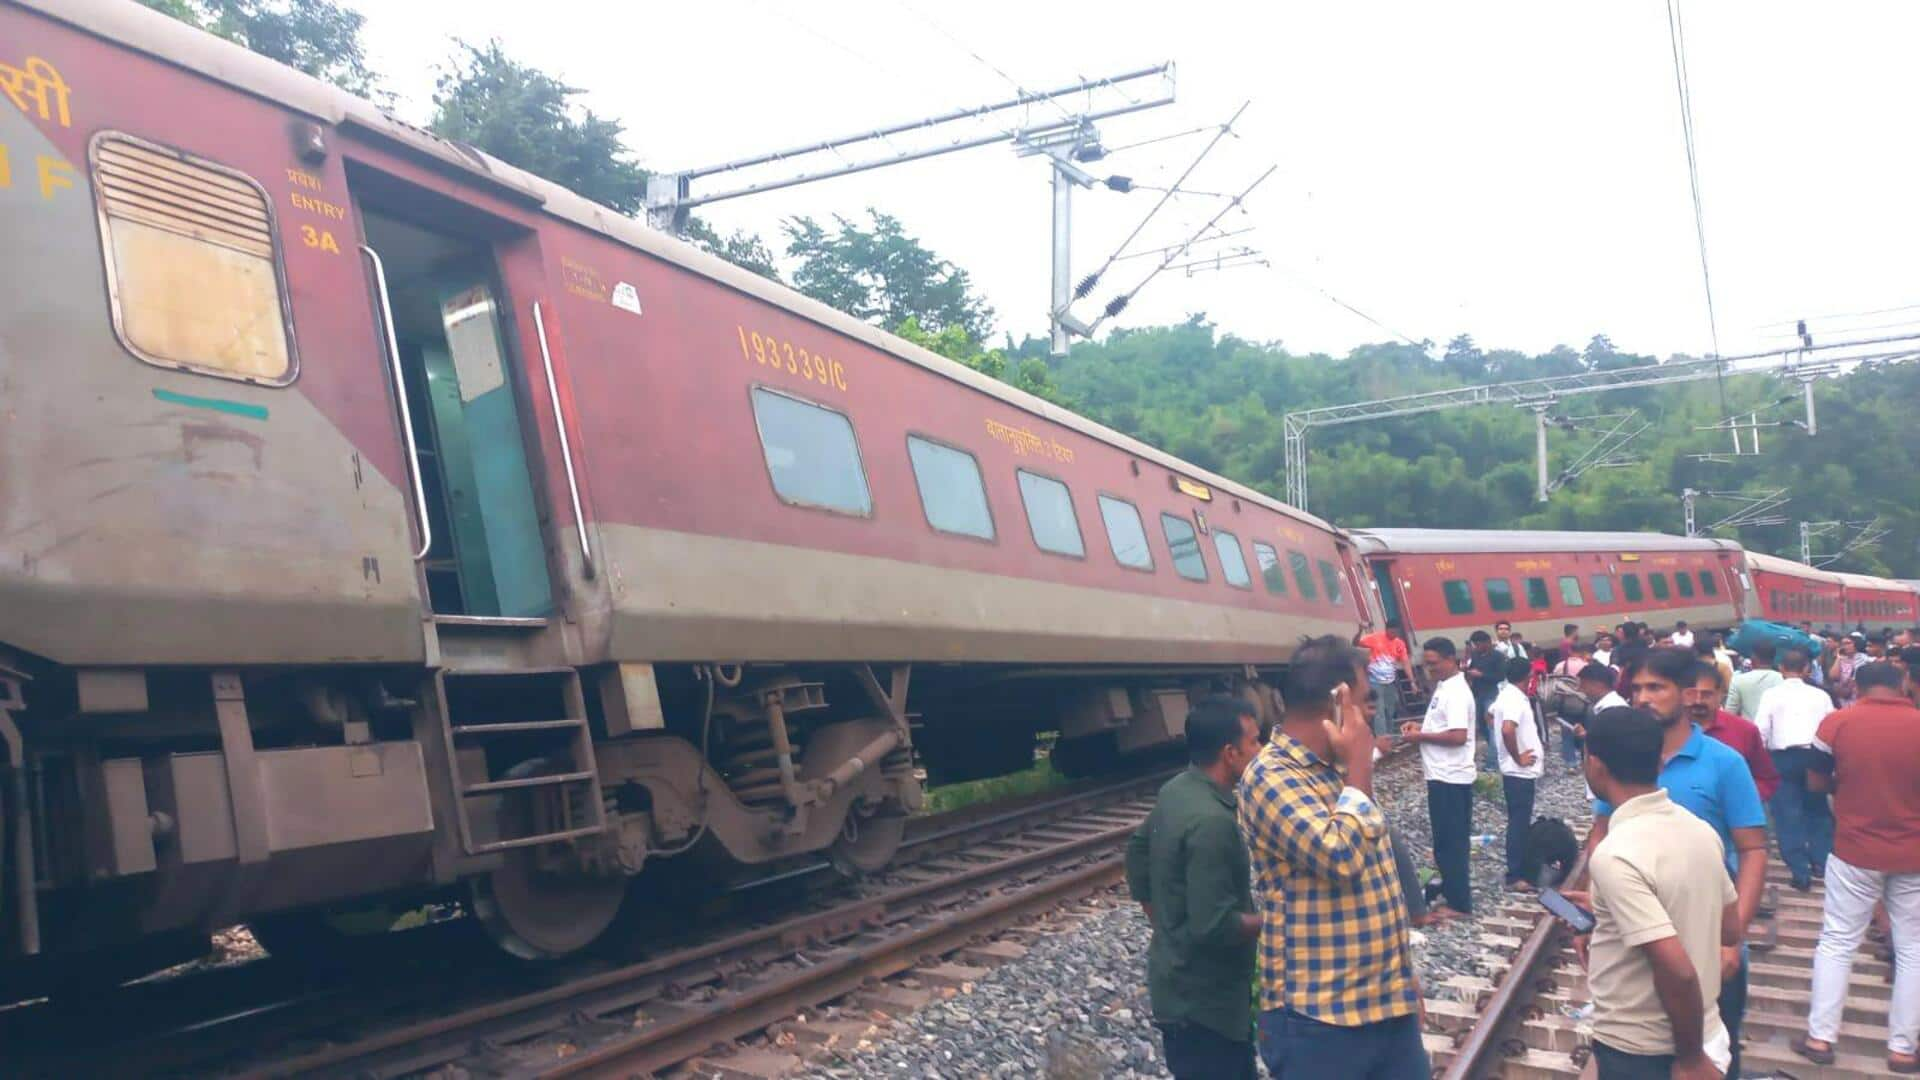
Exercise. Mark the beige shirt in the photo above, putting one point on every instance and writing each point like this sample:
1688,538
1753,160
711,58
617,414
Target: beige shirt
1659,873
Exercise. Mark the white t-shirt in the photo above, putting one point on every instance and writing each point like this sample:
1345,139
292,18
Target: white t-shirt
1451,707
1603,656
1790,714
1683,639
1611,700
1511,706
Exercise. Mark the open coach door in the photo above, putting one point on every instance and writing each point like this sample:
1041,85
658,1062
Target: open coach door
502,715
1367,600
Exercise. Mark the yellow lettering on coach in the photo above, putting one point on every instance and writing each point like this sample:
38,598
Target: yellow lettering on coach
55,175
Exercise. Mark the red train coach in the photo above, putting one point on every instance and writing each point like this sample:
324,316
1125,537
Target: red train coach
1785,591
1454,581
376,518
1877,603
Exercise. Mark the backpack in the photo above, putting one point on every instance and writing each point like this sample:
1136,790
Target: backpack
1560,697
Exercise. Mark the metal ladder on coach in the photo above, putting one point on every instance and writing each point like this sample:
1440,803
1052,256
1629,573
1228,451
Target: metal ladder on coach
550,785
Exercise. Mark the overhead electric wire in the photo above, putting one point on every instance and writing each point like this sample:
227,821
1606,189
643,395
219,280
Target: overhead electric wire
1087,283
1839,315
1677,41
1119,303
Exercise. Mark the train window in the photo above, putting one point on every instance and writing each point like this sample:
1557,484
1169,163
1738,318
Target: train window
952,494
1459,597
1659,582
1330,577
1683,582
1302,575
811,454
1499,594
1707,584
1233,562
1570,591
1270,572
1602,588
1184,544
1125,534
1537,595
1630,588
1050,514
193,276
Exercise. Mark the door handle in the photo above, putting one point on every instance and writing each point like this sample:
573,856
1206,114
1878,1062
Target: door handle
566,444
406,411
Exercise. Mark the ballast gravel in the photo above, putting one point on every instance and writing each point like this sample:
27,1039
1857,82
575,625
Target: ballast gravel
1074,1007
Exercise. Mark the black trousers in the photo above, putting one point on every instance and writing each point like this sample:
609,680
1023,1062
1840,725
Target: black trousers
1201,1053
1450,813
1519,794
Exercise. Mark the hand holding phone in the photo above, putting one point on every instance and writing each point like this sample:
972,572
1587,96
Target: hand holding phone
1567,911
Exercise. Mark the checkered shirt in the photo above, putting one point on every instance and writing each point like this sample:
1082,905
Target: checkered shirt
1333,937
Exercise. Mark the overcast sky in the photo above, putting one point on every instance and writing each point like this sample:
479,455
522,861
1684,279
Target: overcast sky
1510,170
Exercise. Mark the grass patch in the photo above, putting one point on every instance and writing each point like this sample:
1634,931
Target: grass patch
1040,777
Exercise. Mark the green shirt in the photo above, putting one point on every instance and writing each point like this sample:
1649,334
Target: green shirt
1187,860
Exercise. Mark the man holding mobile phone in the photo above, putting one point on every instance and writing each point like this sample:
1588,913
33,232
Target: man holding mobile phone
1662,908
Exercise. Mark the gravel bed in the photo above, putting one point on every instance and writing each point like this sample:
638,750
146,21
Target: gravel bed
1452,948
1075,1006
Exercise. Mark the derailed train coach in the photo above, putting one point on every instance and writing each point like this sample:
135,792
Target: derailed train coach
377,519
1452,582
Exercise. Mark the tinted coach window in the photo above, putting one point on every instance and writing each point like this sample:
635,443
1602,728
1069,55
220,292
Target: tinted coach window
811,454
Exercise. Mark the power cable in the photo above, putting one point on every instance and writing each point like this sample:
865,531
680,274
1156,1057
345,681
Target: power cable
1840,315
1086,284
1677,41
983,61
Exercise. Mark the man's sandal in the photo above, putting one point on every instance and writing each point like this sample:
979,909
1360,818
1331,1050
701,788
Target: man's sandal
1821,1056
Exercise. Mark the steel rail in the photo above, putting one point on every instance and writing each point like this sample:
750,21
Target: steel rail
1485,1044
433,1042
652,1049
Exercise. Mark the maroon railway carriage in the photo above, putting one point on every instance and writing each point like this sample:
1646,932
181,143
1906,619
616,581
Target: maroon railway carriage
376,518
1452,582
1785,591
1877,603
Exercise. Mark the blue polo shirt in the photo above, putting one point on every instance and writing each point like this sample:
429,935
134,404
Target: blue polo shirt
1711,780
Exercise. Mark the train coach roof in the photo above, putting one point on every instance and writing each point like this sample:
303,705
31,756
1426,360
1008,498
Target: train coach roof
1869,581
146,30
1437,541
1774,564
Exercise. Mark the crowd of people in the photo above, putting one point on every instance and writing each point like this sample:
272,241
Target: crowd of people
1269,860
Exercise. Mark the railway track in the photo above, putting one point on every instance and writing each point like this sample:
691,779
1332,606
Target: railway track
962,878
1519,1020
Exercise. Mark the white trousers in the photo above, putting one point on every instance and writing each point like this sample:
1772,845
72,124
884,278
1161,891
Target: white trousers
1851,894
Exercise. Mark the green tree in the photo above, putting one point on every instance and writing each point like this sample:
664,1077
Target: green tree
526,117
884,275
740,247
1025,373
319,37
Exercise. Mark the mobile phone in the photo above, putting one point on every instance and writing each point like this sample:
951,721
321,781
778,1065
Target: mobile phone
1571,913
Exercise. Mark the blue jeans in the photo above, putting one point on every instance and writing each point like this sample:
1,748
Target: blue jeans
1298,1047
1569,745
1733,1009
1802,821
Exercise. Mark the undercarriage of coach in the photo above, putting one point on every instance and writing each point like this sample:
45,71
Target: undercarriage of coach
143,808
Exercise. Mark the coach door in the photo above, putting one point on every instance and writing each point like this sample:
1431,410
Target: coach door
439,296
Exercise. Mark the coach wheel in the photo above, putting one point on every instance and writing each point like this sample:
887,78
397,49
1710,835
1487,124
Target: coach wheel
537,914
866,844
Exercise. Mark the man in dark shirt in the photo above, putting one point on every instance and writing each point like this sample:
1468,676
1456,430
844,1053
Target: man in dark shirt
1486,669
1188,866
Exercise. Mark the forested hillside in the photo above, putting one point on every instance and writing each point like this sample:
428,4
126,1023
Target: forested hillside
1217,400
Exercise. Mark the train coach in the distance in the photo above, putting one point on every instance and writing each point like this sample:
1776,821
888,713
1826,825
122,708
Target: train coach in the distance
381,523
1452,582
